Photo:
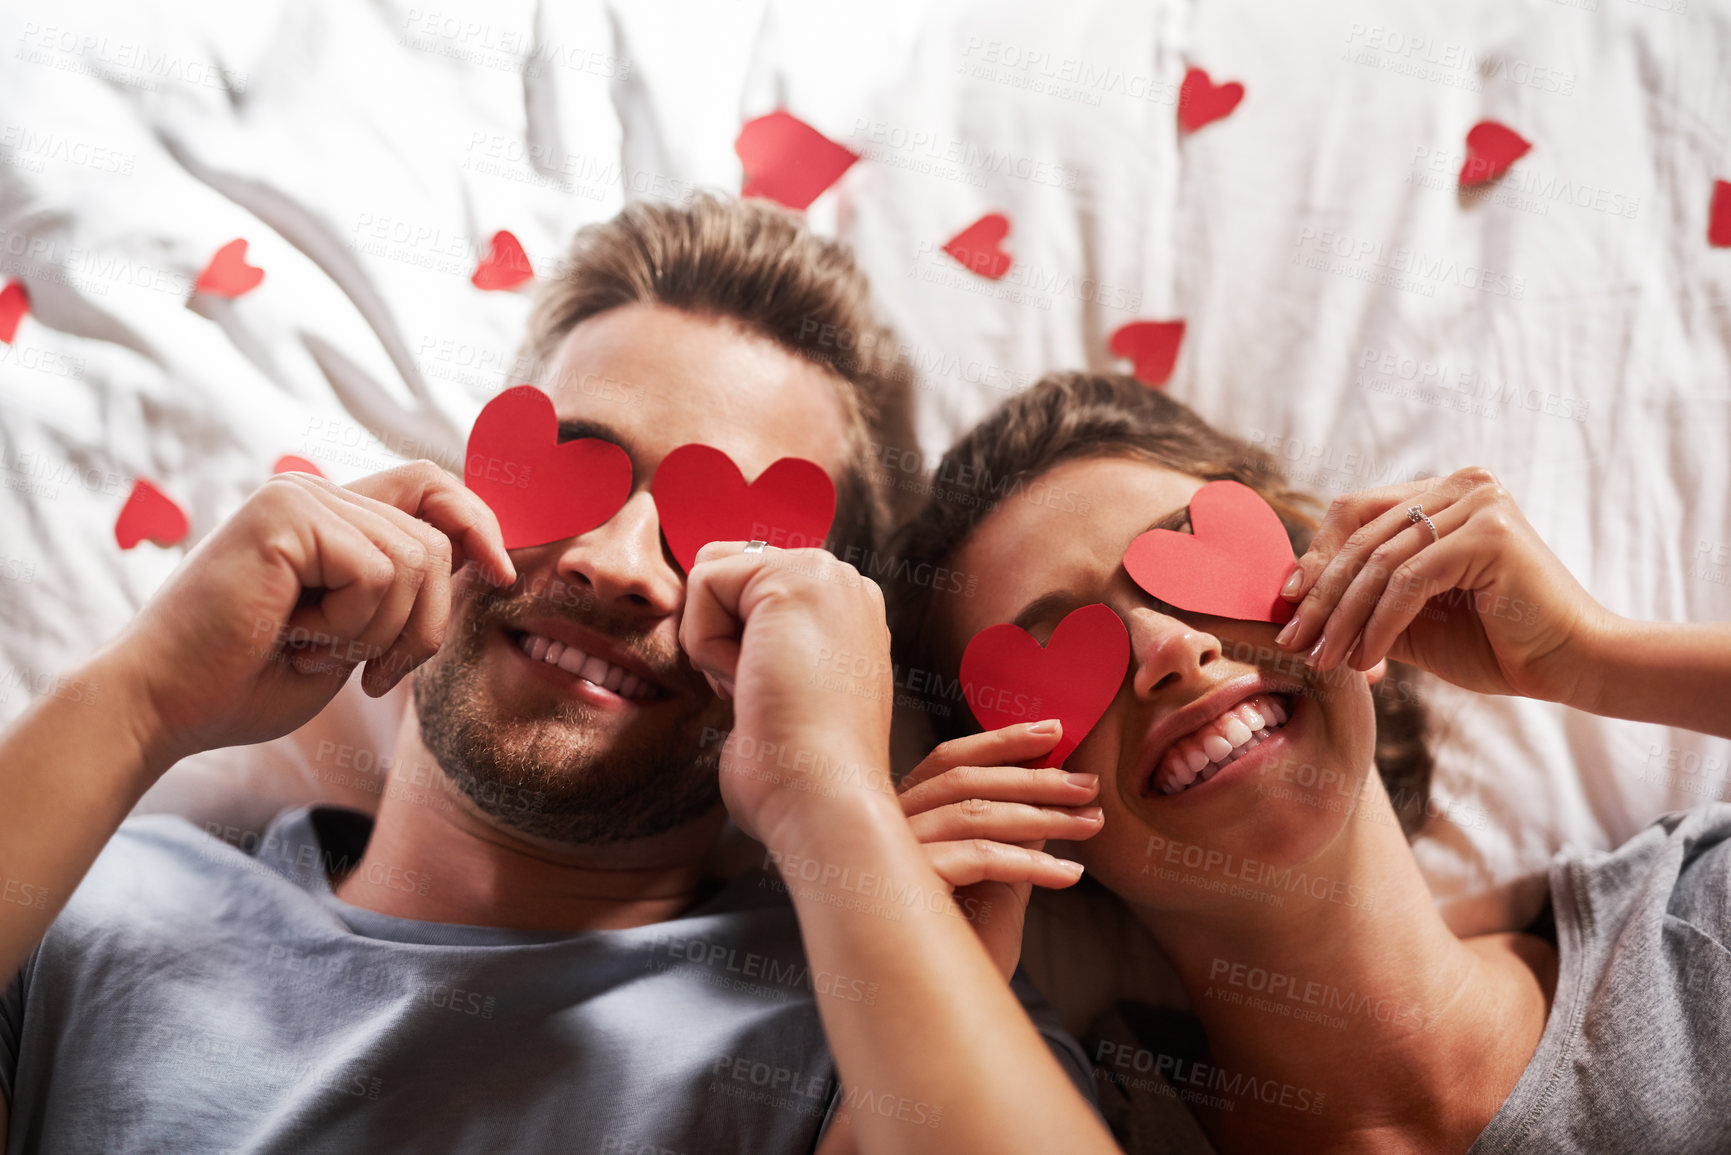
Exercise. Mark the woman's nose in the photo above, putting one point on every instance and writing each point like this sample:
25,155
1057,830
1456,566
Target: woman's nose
1165,651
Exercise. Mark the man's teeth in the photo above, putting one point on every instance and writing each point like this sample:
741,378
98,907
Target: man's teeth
1200,754
586,666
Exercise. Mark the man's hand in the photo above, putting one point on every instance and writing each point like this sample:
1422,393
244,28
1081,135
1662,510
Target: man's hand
759,627
267,617
984,822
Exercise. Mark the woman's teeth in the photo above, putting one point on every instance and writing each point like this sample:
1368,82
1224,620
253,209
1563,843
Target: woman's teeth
1200,754
586,666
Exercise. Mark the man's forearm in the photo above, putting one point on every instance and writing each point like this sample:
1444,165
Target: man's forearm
71,768
941,1057
1671,673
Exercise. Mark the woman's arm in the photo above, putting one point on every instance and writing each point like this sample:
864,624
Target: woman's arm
1672,673
1486,605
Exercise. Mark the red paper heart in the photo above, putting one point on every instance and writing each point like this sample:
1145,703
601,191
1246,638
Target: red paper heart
1718,217
505,266
1201,101
702,497
1231,566
541,490
787,160
291,463
14,303
228,274
1151,346
150,514
1491,149
1008,677
978,247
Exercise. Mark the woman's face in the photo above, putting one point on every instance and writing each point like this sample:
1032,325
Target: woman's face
1277,800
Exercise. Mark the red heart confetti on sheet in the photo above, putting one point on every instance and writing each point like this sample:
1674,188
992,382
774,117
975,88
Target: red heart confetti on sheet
787,160
1718,217
540,489
293,463
1231,565
1008,677
1151,346
1201,101
1491,149
702,497
14,303
228,274
150,515
505,266
979,248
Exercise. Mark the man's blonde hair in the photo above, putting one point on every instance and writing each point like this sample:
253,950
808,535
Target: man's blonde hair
755,265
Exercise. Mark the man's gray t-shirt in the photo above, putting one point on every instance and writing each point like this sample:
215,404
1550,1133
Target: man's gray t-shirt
1636,1054
192,997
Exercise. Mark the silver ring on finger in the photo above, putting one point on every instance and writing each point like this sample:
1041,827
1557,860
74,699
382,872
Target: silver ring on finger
1416,514
760,546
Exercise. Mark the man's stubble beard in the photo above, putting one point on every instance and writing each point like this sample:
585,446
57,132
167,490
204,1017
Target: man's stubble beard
543,773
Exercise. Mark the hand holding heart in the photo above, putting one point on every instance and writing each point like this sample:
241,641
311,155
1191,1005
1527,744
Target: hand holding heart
805,734
984,821
1486,606
269,615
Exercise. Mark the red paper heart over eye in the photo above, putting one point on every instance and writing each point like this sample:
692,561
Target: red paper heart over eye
1008,677
1231,566
1201,101
539,489
702,497
787,160
1718,217
1151,346
150,515
505,266
979,247
1491,149
14,303
228,274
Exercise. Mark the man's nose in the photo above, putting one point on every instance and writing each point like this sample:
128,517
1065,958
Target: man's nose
1168,652
622,563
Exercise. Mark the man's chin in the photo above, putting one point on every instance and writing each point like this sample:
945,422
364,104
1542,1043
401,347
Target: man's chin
558,768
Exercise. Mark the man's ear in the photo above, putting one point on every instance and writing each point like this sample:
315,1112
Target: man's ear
1376,672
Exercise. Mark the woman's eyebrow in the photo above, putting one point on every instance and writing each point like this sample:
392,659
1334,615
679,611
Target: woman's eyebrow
1178,521
1044,606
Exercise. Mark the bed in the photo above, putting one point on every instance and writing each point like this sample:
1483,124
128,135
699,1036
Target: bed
1346,305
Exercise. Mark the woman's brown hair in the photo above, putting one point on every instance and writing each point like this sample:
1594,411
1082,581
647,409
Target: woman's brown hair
1075,416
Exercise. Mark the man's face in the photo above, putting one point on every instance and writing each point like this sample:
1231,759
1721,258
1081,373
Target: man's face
617,737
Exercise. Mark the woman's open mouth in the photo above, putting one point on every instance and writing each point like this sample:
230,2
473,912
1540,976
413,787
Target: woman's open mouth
1194,758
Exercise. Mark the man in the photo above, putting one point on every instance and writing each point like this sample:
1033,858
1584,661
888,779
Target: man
527,954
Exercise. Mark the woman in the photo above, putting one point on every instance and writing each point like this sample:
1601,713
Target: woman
1340,1012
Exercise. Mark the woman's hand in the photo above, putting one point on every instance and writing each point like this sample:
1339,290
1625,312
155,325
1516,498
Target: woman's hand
984,820
1486,605
798,640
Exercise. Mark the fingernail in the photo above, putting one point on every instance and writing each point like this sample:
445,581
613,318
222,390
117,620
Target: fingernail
1075,868
1286,632
1290,589
1091,813
1316,650
1087,781
1049,726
